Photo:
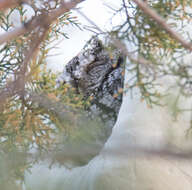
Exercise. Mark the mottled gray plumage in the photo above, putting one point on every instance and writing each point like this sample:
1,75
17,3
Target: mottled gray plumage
97,71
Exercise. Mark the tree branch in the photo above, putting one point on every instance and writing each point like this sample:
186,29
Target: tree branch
41,20
118,44
152,14
4,4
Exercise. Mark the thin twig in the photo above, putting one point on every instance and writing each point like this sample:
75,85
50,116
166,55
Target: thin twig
4,4
152,14
118,44
38,21
17,86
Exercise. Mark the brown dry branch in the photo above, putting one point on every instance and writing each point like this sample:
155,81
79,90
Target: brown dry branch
4,4
33,48
17,86
39,21
156,17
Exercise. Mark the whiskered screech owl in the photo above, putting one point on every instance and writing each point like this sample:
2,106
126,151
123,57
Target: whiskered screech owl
97,71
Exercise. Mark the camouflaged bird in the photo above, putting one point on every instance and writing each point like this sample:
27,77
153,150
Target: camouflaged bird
97,71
